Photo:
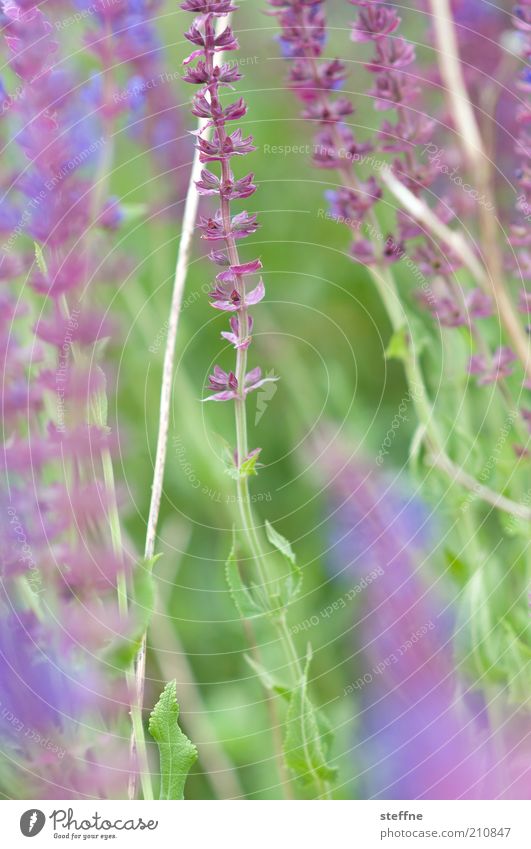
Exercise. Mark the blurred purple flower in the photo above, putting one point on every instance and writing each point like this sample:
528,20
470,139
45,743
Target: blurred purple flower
490,370
423,734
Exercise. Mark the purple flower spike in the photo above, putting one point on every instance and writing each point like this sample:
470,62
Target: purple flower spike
230,292
491,371
254,380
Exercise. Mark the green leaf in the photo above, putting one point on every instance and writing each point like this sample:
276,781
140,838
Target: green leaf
249,465
308,738
293,583
177,753
280,543
408,341
397,349
39,259
247,606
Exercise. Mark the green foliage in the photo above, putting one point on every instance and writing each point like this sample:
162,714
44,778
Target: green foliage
291,585
177,753
397,348
247,605
248,468
308,739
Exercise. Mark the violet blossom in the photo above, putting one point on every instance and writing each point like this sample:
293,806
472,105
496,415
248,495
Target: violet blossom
423,729
57,538
231,292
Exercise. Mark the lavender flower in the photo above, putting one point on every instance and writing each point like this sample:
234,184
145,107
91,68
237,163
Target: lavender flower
424,730
53,700
57,546
395,89
123,34
490,371
521,238
231,292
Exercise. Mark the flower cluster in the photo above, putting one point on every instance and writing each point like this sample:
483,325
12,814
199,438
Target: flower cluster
395,89
56,714
521,233
315,81
231,291
61,561
122,35
410,683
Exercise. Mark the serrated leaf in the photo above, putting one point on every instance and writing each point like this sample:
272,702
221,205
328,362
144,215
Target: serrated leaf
308,738
247,606
280,542
293,583
177,753
248,467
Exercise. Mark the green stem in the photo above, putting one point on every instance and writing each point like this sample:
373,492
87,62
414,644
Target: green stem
254,542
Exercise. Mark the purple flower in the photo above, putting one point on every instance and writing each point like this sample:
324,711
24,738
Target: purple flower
316,80
229,299
454,310
225,386
423,732
56,536
53,700
208,7
490,370
235,337
375,21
